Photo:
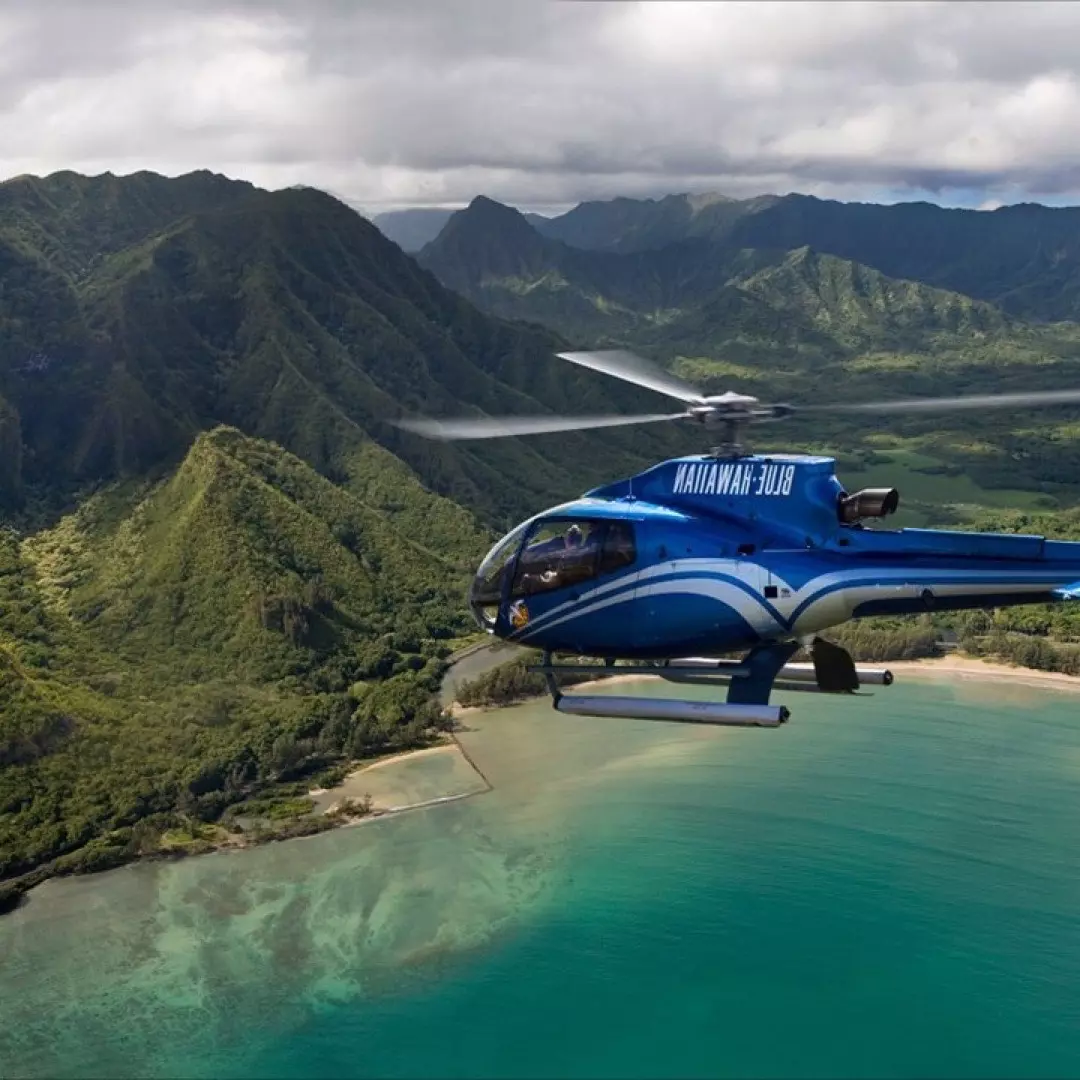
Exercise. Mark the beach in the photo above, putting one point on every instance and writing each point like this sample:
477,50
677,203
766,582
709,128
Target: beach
973,669
966,668
448,772
406,781
445,772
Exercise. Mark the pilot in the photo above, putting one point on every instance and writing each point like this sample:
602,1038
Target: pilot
571,549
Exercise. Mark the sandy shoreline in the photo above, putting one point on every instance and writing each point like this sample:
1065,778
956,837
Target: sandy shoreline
969,668
405,755
392,796
392,785
398,792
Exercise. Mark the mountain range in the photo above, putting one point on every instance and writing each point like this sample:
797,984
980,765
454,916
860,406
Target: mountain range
286,314
215,537
412,228
1022,258
223,569
760,297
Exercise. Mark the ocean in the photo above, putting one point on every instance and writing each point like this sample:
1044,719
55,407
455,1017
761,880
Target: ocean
888,886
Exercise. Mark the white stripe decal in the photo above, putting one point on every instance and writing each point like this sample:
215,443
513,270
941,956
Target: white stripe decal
731,596
757,615
752,573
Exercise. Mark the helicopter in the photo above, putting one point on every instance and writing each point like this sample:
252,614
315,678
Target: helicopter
697,559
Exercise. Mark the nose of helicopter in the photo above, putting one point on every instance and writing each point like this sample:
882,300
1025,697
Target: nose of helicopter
486,590
484,614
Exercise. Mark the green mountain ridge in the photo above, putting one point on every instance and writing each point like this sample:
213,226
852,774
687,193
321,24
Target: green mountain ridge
223,569
159,582
628,225
1024,258
76,222
226,622
794,324
841,305
289,316
492,255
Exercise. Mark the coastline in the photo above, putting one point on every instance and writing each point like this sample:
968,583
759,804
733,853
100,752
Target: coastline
339,807
360,768
975,668
953,666
336,812
343,807
398,799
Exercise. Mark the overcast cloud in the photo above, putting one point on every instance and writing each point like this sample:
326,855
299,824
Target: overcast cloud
399,102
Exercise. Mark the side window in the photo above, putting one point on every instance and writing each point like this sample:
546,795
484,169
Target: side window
619,547
558,554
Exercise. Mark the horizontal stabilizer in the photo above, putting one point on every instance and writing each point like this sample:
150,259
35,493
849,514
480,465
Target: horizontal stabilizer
1068,592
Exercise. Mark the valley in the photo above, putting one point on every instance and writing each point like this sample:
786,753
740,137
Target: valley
786,321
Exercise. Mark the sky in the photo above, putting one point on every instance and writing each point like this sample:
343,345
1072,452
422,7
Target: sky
397,103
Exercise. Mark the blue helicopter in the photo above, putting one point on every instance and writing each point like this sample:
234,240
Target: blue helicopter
673,570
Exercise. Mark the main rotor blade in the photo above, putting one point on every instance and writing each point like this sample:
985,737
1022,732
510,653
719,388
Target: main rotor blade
636,369
499,427
973,401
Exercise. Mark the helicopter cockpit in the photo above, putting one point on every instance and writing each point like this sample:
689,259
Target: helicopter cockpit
543,555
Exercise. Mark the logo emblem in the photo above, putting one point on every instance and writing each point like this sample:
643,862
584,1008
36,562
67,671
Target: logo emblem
519,614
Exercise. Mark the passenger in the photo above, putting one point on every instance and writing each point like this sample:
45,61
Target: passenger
562,561
552,563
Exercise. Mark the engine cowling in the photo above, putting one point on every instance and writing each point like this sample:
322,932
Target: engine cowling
868,503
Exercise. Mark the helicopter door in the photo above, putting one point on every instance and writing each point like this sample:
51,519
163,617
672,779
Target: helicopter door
567,576
686,606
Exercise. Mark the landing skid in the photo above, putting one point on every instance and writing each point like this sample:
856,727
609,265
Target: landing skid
750,683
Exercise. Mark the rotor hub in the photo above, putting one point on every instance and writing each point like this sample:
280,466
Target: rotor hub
732,414
740,410
731,400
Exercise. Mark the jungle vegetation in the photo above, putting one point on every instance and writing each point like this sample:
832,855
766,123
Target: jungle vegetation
225,575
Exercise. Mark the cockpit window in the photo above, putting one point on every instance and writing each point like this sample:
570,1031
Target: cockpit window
487,588
619,549
562,553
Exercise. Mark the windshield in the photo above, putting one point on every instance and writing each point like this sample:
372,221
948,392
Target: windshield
487,586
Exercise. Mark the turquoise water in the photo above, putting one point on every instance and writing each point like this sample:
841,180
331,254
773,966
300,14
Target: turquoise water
887,887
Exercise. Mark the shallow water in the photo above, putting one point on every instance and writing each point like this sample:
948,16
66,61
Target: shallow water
887,886
436,773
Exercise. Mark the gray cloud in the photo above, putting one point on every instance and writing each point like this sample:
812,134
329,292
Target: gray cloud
547,103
